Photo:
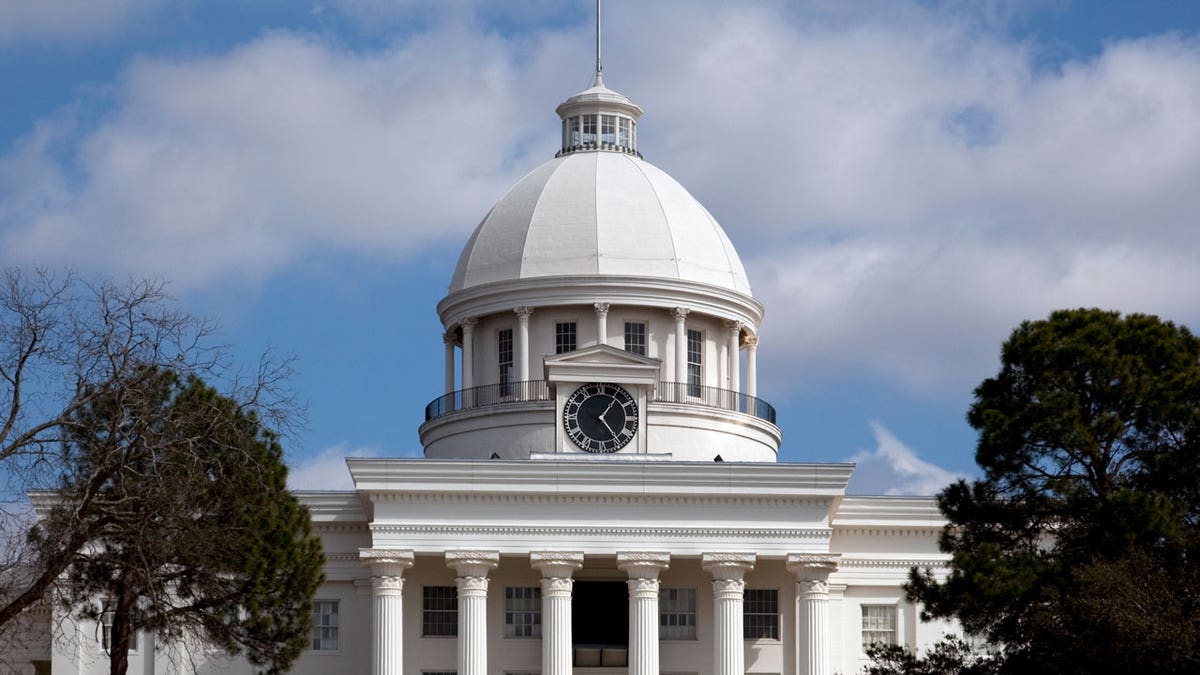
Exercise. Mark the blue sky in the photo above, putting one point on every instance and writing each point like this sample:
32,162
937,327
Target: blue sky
905,182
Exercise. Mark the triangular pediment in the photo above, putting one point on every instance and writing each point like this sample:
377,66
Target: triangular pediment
601,363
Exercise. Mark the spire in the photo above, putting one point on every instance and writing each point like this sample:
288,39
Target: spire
599,66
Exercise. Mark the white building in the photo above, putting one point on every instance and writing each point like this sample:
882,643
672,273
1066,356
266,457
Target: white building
600,491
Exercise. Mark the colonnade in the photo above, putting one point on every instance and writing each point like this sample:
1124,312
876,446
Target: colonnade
642,569
675,367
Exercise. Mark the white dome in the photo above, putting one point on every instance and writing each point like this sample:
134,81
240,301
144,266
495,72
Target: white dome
601,213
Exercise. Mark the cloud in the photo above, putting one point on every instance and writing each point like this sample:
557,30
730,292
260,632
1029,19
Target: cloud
326,470
57,20
893,468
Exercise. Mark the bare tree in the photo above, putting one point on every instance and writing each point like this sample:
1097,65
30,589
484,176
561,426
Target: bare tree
68,348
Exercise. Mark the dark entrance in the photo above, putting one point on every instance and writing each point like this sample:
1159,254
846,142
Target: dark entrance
600,623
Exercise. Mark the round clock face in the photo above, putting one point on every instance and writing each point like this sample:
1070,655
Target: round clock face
600,417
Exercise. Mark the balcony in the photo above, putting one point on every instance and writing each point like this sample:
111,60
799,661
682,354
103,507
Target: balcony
537,390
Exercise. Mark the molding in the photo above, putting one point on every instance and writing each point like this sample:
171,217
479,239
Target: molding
926,532
894,563
659,533
680,500
813,567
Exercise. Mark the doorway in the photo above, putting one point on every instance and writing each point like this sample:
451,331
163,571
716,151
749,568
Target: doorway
600,623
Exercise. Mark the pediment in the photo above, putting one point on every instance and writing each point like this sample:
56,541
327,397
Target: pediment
601,363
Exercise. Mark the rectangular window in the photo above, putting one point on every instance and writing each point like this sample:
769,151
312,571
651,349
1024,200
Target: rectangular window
608,129
677,614
695,353
574,130
635,338
106,622
522,611
439,611
564,337
878,625
589,128
324,636
623,132
760,615
504,348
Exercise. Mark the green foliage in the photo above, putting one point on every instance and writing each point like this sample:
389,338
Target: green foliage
952,656
1076,550
193,529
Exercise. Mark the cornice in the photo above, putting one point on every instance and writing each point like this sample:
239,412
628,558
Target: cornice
924,532
593,499
894,563
918,512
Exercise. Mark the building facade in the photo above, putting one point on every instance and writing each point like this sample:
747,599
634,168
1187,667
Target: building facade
600,491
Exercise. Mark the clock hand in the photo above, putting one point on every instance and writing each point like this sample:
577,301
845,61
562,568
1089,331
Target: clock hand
604,419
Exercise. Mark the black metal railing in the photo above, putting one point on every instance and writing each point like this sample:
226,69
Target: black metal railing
712,397
537,390
487,395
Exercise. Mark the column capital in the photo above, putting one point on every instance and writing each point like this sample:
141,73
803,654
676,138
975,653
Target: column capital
730,566
523,312
450,338
751,340
469,323
472,563
734,326
643,587
601,307
386,562
643,564
556,563
813,566
680,313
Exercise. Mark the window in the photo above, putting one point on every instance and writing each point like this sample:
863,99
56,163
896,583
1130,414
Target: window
878,625
564,337
589,129
677,614
439,611
522,611
760,614
573,131
504,348
106,622
608,129
325,626
695,347
623,132
635,338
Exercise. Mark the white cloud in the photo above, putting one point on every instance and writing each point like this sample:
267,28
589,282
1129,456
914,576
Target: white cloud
41,20
326,470
893,468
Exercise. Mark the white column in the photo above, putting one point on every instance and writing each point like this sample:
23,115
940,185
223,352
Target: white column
812,572
735,338
387,601
472,568
643,569
522,346
450,340
601,322
752,365
468,357
728,570
680,315
557,645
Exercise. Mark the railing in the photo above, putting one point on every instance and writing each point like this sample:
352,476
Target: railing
537,390
487,395
712,397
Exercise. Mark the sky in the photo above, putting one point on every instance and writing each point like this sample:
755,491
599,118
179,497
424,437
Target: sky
904,181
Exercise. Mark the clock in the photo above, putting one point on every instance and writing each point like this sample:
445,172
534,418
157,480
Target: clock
600,417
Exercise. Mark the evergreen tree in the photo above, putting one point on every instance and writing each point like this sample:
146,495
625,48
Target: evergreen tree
1076,551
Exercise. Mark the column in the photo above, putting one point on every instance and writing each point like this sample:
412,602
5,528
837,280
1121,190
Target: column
522,346
557,645
601,322
735,338
468,357
387,607
728,570
472,568
752,365
680,374
643,570
812,572
450,340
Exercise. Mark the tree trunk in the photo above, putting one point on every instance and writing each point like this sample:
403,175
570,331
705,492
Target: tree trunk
122,629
